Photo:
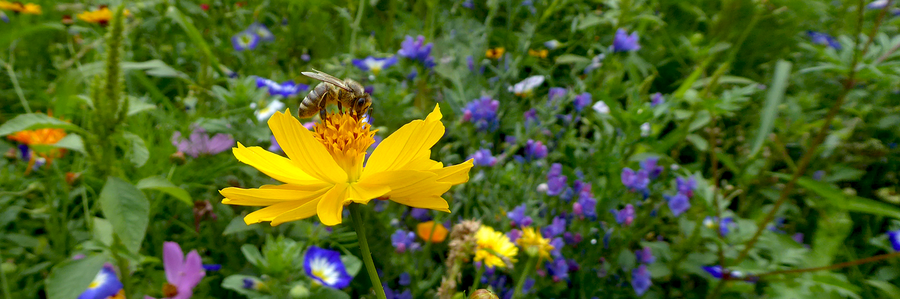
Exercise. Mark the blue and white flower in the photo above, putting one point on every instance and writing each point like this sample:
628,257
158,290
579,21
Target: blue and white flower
284,89
266,112
325,267
525,87
245,40
104,285
373,64
262,32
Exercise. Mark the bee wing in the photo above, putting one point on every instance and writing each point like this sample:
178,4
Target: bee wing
321,76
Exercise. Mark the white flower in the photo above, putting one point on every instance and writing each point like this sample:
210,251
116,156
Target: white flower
264,113
552,44
542,188
526,86
877,4
645,130
601,107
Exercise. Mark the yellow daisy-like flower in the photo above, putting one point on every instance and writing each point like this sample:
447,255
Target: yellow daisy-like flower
538,53
495,53
494,248
101,16
29,8
325,170
535,244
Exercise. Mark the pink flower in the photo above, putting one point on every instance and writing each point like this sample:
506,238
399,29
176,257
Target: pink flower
182,273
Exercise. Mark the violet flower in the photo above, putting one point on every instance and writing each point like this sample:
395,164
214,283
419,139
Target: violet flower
717,272
483,113
679,203
416,49
645,256
531,118
285,89
556,227
556,93
650,165
201,144
623,42
182,274
244,40
587,205
325,267
635,181
517,216
686,186
558,269
581,101
640,280
535,150
656,100
894,237
724,226
374,64
625,216
262,32
404,240
824,39
105,284
483,157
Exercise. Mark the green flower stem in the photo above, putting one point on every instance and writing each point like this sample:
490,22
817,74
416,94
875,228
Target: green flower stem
3,280
364,250
519,284
478,276
15,82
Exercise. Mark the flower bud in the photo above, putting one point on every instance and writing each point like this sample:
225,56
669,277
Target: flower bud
483,294
299,292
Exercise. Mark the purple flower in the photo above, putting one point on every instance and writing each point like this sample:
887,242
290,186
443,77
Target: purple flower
262,32
679,203
818,175
556,227
468,4
373,64
557,244
656,99
244,40
325,267
416,49
724,225
686,186
483,113
182,273
404,240
514,234
556,185
623,42
105,284
823,39
535,150
274,147
285,89
645,256
625,216
517,216
558,269
555,170
571,238
531,118
404,279
556,93
635,181
200,143
583,100
640,280
894,237
587,206
420,214
483,157
798,237
650,165
717,272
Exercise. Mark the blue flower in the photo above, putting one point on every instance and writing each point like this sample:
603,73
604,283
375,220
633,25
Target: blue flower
650,165
557,244
717,272
517,216
556,184
679,203
244,40
625,216
558,269
326,267
640,280
535,150
212,267
404,279
262,32
552,44
894,237
635,181
253,284
645,256
556,93
556,227
420,214
724,225
483,157
416,49
105,284
468,4
531,118
4,17
686,186
404,240
585,206
623,42
285,89
373,64
818,175
656,100
483,113
823,39
393,294
583,100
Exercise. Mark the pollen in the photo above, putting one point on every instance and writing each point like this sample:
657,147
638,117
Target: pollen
169,290
346,137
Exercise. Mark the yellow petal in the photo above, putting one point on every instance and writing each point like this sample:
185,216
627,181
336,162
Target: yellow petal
363,193
305,151
433,203
271,212
411,142
270,194
275,166
302,212
456,174
331,207
418,189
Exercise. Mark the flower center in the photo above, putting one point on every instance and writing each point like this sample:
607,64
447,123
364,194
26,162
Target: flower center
169,290
347,138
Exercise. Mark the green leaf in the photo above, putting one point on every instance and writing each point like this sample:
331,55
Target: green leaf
163,185
252,254
156,68
30,30
238,225
770,109
127,210
103,231
138,154
71,277
837,198
236,283
698,142
328,293
136,106
887,288
571,58
31,121
352,264
196,38
71,142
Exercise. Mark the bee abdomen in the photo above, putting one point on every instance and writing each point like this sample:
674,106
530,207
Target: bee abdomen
313,101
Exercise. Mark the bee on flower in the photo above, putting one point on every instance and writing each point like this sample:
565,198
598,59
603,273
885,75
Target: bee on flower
495,53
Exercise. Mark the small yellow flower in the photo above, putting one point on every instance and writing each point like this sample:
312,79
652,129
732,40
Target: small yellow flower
495,53
494,248
535,244
101,16
29,8
324,169
538,53
6,5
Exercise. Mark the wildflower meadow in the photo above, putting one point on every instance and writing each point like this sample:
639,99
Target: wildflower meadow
449,149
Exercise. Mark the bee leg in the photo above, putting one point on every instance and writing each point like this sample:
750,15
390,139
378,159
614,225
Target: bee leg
322,115
340,107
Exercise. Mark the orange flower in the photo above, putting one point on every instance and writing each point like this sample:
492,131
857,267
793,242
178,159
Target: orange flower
495,53
430,232
538,53
39,136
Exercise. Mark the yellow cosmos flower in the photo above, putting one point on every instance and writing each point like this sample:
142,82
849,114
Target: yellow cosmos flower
327,169
29,8
494,248
495,53
535,244
101,16
538,53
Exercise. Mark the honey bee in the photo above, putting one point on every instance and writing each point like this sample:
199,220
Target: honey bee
347,93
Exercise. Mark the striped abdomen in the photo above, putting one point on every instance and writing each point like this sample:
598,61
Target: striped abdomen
315,100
